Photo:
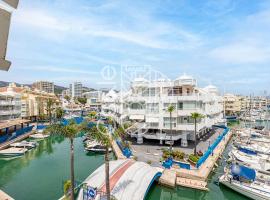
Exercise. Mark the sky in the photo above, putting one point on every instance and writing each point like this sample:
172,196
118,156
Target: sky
225,43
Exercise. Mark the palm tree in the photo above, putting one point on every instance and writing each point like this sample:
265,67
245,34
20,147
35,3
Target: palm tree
101,135
196,116
50,103
67,98
69,131
170,109
92,114
59,112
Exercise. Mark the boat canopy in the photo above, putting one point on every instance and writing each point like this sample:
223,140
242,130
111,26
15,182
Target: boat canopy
239,171
247,151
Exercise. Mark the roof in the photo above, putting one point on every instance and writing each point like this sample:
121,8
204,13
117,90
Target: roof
9,123
244,172
185,77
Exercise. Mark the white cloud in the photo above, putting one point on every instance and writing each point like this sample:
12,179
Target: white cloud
240,53
153,37
73,70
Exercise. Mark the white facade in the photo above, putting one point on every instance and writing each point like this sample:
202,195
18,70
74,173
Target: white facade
147,103
10,104
75,89
94,99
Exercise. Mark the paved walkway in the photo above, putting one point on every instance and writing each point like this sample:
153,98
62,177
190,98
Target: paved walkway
5,196
205,169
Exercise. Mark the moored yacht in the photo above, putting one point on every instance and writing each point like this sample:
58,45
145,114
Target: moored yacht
13,151
39,136
24,144
94,146
243,180
258,162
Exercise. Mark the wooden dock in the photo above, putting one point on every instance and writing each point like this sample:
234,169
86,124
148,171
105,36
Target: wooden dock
21,137
5,196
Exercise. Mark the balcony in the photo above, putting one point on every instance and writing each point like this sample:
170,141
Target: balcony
189,127
7,103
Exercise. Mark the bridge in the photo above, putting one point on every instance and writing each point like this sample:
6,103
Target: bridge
129,179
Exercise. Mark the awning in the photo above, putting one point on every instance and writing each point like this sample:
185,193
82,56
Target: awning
152,119
136,117
242,171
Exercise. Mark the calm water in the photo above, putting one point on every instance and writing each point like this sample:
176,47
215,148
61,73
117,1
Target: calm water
40,174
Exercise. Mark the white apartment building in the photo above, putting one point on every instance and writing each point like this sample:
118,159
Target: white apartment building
6,9
10,104
75,89
44,86
94,99
147,102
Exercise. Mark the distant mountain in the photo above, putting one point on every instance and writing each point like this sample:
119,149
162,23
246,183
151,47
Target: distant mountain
57,89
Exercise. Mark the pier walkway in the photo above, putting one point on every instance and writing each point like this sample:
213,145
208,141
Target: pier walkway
129,179
17,139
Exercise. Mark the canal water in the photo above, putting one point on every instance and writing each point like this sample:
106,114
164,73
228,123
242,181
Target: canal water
41,172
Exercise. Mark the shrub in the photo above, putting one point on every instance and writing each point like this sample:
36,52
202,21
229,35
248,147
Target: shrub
193,158
178,155
149,162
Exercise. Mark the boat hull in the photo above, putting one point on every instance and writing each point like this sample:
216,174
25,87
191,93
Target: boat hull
250,194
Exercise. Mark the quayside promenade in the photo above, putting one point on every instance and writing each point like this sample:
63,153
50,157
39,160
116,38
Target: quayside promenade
196,177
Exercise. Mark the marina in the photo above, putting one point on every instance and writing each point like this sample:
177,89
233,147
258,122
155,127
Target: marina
55,148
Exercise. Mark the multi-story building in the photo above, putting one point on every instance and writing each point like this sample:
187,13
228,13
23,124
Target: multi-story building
44,86
33,103
94,99
75,89
232,104
10,104
147,102
6,9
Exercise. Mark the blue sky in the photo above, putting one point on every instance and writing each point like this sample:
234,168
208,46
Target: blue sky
224,43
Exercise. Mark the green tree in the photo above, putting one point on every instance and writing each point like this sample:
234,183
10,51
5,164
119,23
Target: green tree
67,98
69,131
196,116
59,113
92,114
82,100
101,135
50,108
170,109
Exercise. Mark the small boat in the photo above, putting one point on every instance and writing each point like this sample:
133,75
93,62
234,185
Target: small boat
243,180
39,136
261,149
24,144
94,146
13,151
258,162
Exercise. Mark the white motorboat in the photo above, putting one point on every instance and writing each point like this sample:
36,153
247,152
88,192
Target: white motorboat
255,147
24,144
258,162
13,151
94,146
39,136
243,180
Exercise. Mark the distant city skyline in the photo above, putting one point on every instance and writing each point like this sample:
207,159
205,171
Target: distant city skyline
223,43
